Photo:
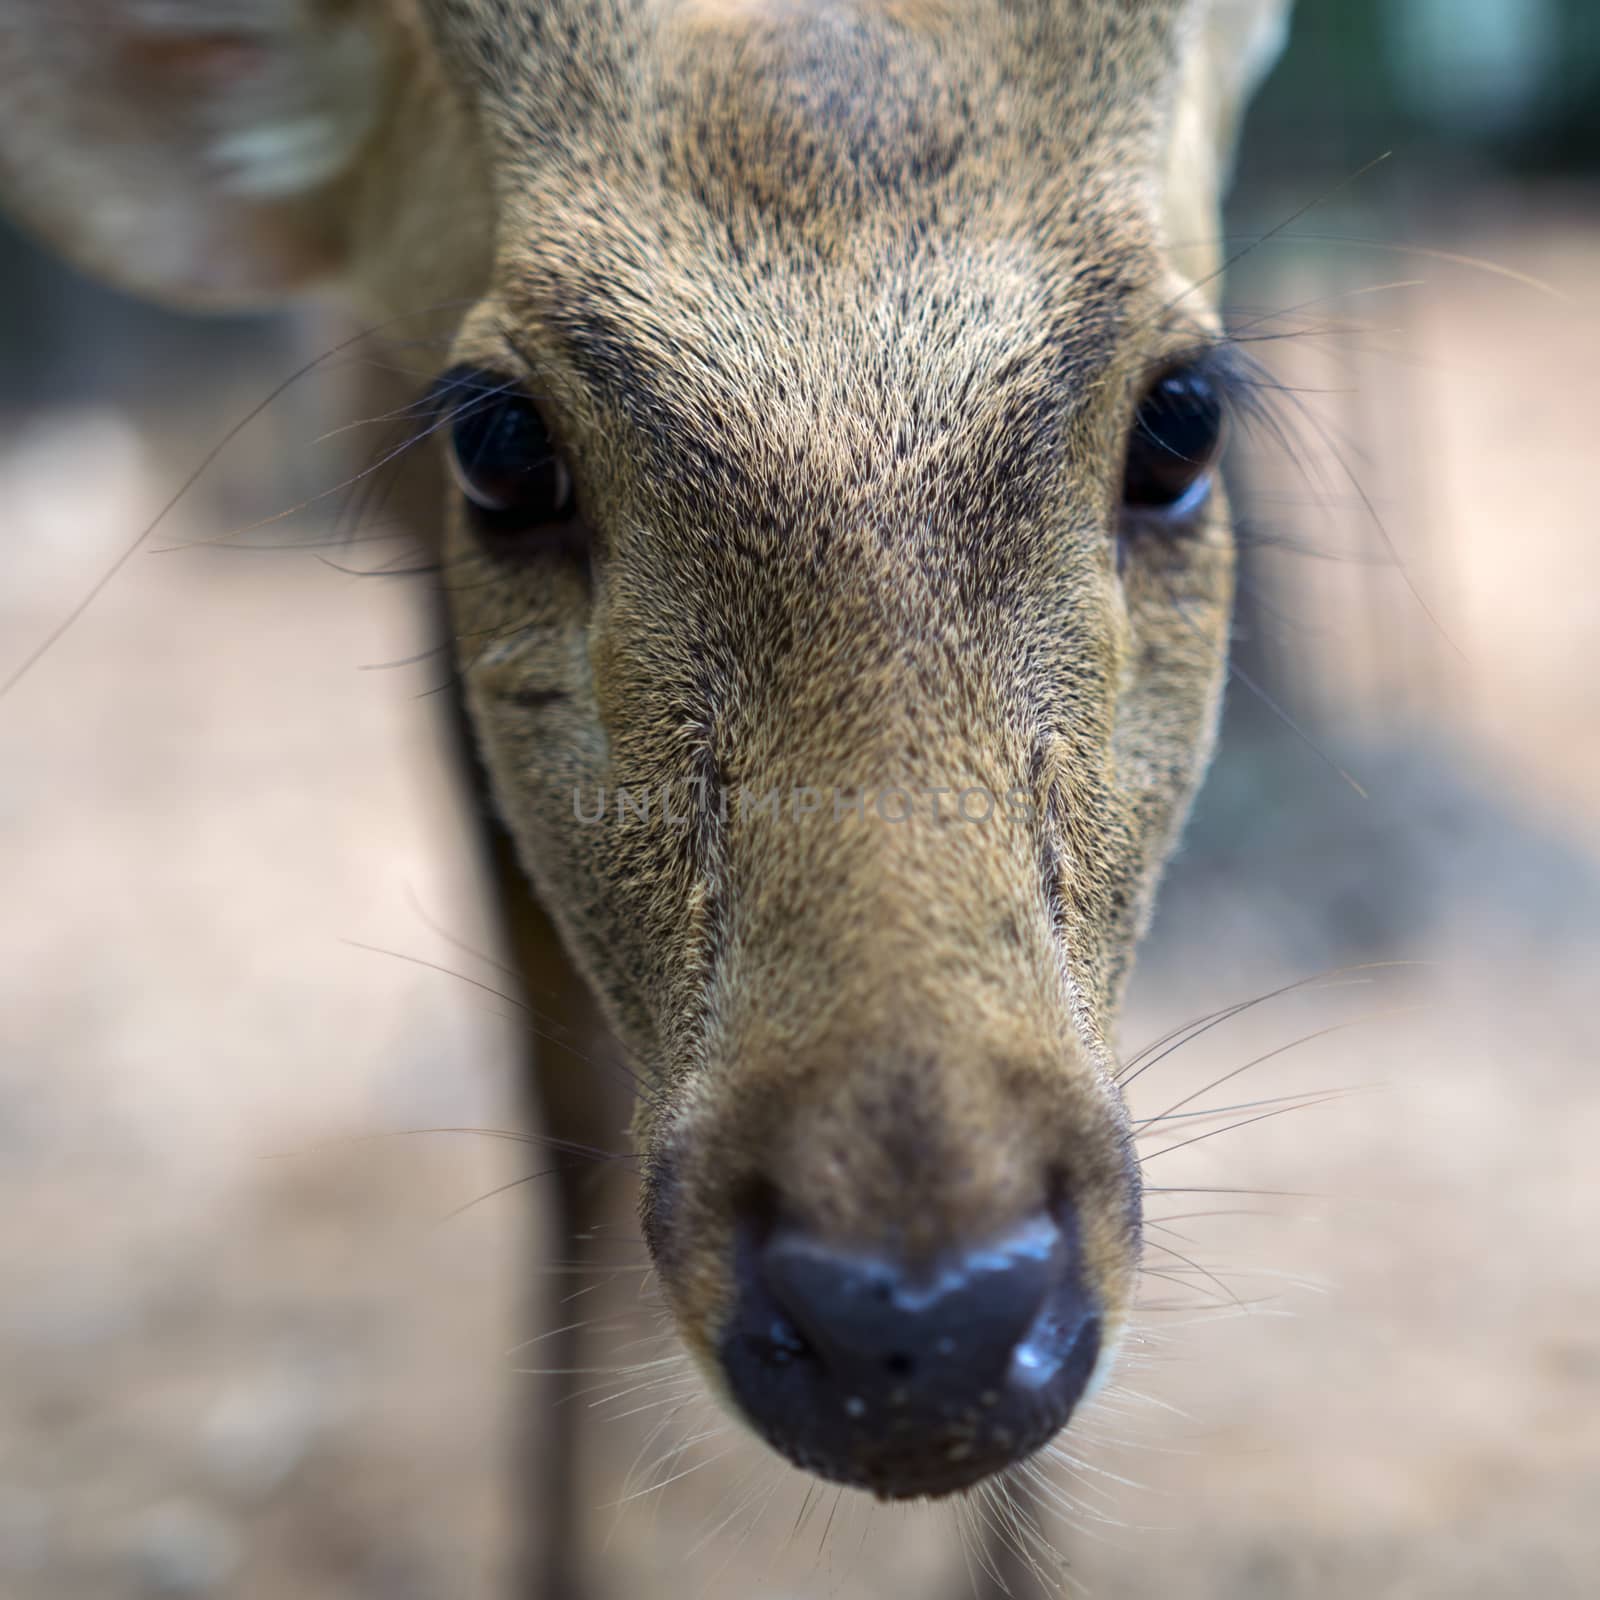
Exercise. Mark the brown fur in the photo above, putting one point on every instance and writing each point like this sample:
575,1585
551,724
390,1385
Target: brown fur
842,324
840,311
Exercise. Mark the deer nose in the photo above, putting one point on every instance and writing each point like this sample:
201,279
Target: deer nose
910,1381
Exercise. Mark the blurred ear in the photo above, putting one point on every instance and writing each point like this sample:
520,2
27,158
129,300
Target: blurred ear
209,152
1231,47
1243,40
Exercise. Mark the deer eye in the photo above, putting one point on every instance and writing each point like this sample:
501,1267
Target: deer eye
1176,439
501,454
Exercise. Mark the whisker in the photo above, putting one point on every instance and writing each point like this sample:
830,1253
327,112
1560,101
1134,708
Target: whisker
1283,1049
531,1014
1279,230
1314,1096
1281,1194
1375,517
678,1477
1205,1024
1496,269
1189,1261
362,476
415,902
99,586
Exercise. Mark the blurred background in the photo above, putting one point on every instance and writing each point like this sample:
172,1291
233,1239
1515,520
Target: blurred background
251,1345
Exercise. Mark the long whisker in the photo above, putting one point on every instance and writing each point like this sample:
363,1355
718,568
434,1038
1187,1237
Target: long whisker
367,472
1205,1272
1454,258
415,902
99,586
1202,1025
1279,230
531,1014
1282,1049
1310,1097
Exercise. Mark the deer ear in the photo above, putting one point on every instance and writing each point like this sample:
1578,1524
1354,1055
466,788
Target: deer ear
200,151
1231,47
1242,40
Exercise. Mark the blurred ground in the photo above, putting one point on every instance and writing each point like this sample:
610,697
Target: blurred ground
249,1352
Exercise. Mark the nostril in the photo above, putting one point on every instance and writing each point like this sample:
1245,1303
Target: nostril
765,1331
757,1208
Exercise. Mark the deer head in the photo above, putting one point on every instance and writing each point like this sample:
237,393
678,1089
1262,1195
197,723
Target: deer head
834,409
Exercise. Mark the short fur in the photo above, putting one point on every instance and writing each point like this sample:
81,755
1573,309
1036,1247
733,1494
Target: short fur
840,311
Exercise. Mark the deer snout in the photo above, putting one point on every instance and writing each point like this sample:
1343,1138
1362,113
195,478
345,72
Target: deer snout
905,1378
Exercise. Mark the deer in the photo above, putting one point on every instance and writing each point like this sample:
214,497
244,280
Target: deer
827,451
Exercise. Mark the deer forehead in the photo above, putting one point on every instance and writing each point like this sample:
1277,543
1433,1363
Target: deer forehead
811,121
876,94
736,16
814,184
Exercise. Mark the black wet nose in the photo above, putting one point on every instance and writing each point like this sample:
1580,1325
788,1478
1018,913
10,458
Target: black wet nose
909,1382
870,1323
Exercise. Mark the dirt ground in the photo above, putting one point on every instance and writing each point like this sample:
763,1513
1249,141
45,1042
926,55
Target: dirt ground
252,1348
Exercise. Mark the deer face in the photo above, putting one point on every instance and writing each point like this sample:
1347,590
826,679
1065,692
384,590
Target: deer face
836,483
841,580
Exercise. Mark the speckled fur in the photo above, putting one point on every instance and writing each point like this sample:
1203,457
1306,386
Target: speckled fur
840,311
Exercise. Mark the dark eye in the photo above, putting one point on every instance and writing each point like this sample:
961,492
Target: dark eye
1176,439
501,454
